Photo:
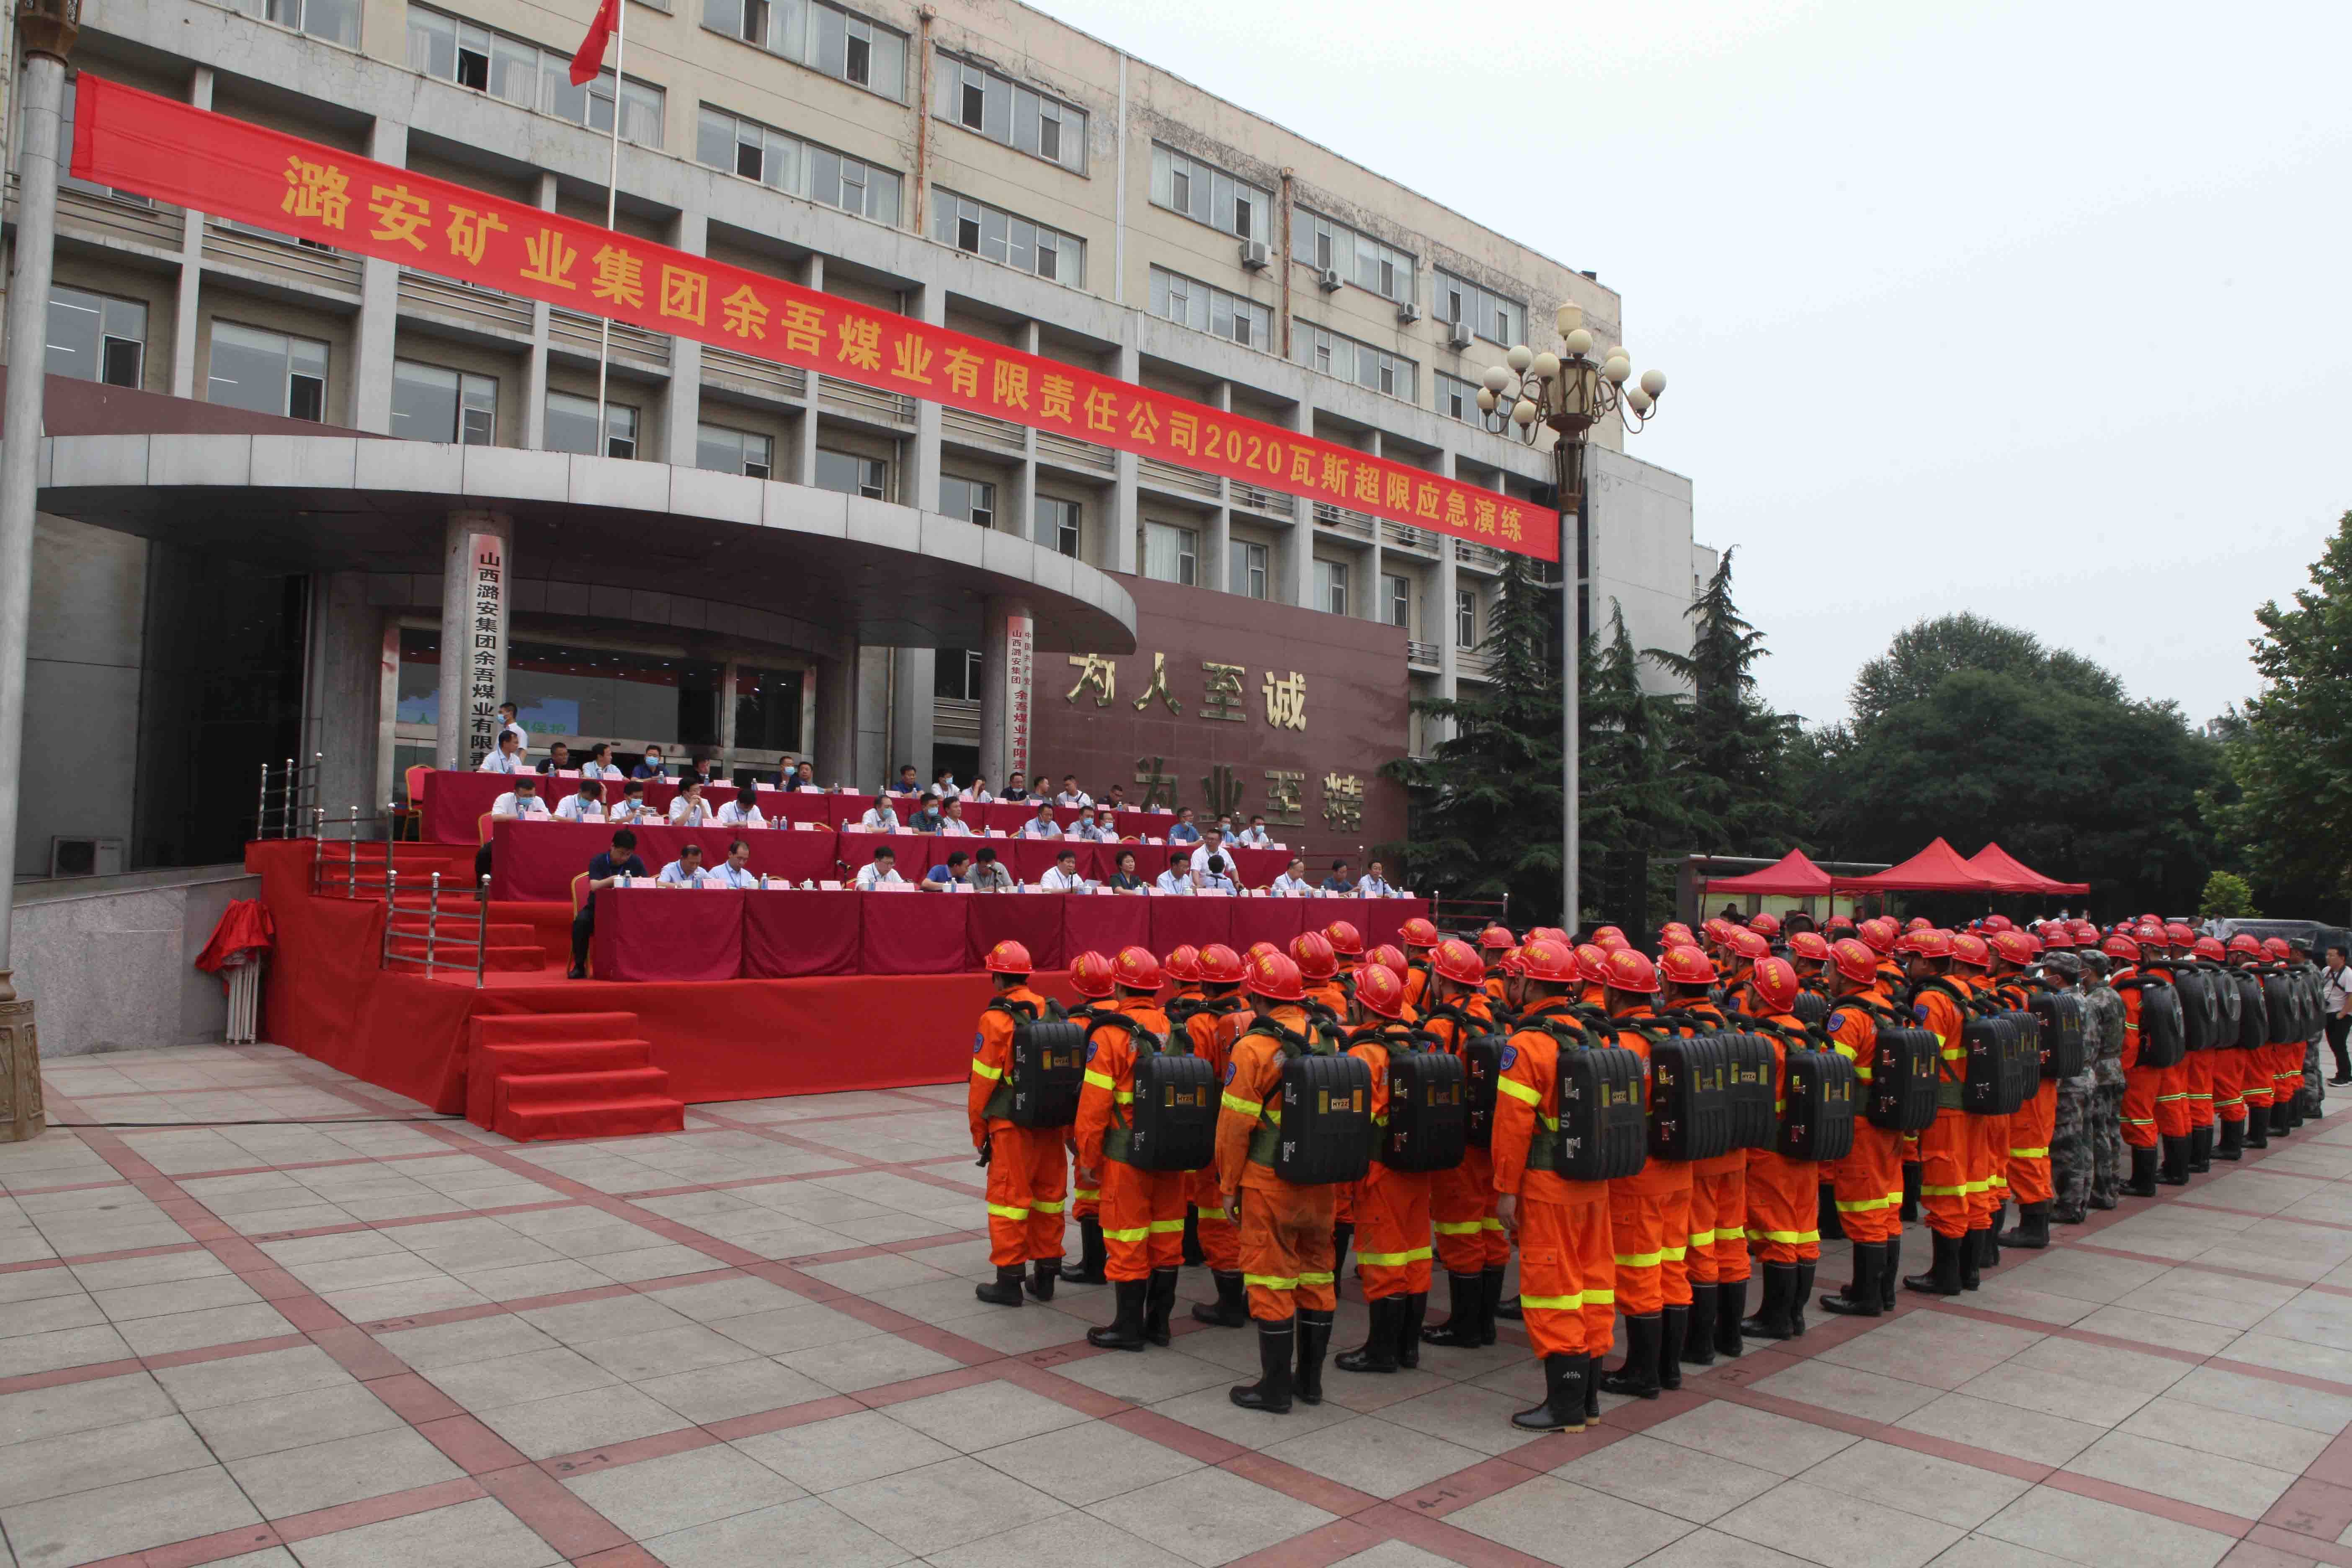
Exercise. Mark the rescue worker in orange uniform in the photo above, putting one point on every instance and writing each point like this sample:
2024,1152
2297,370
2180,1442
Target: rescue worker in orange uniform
1880,934
1090,977
1318,969
1492,942
1222,1015
2197,1068
2141,1084
1742,948
2172,1114
1649,1212
2255,1086
1951,1150
1182,968
2229,1060
1782,1202
1470,1242
1419,935
1972,974
2035,1123
1568,1270
1286,1229
1808,956
1695,1327
1142,1211
1026,1174
1868,1183
1392,1206
2284,1063
1592,976
1346,944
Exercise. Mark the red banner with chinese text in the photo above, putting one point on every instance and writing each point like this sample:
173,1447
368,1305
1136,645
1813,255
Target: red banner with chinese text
211,163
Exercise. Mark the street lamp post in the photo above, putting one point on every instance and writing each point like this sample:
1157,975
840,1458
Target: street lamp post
1568,393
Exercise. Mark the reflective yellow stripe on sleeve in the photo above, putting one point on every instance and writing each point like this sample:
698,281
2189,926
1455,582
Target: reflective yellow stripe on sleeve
1240,1107
1519,1090
1099,1080
981,1070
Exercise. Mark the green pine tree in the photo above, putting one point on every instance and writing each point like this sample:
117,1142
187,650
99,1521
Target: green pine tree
1635,783
1732,747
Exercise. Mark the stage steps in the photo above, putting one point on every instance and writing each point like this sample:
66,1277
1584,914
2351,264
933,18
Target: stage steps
542,1075
513,948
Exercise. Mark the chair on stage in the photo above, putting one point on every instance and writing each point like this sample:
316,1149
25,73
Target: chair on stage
410,822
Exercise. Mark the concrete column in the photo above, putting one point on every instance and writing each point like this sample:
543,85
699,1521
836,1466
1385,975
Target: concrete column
837,717
1296,568
875,765
345,692
453,744
682,399
185,307
534,375
1021,506
1438,620
1216,570
1370,605
1125,518
918,485
912,703
376,333
995,709
802,468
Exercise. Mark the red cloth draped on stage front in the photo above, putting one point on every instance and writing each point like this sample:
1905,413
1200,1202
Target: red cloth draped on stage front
669,933
1032,920
536,860
1099,924
787,935
914,933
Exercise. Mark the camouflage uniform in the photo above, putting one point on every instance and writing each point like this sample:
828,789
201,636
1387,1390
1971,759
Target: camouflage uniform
2071,1161
2314,1051
2110,1161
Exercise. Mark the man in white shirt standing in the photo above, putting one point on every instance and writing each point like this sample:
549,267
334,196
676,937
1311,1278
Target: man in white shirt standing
1072,795
1063,877
689,809
685,871
883,868
510,725
736,870
1293,883
880,817
587,805
1042,825
743,811
506,759
1178,877
1374,885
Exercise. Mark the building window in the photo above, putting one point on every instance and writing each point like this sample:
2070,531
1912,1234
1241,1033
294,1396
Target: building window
955,674
767,709
1204,309
1057,525
1246,568
1172,554
520,72
974,501
268,373
95,337
1457,398
995,235
1492,315
979,99
756,151
824,37
1466,619
571,426
726,451
1396,593
1335,354
432,404
853,475
1331,586
337,21
1208,195
1359,258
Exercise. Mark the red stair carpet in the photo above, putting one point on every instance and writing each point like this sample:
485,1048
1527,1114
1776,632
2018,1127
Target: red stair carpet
536,1075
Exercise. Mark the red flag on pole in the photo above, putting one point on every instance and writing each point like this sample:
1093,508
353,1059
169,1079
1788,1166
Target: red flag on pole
591,58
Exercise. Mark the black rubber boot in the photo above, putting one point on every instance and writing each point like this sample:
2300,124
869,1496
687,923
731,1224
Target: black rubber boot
1943,1276
1863,1297
1972,1248
1159,1302
1674,1328
2200,1148
1988,1248
2142,1177
1730,1303
1193,1256
1698,1338
1890,1273
2174,1172
1825,1216
2033,1231
2257,1127
1407,1340
1562,1409
1125,1331
1005,1291
1230,1310
2233,1141
1510,1308
1638,1375
1271,1391
1909,1213
1771,1319
1042,1272
1490,1296
1804,1294
1592,1389
2295,1112
1088,1269
1379,1351
1343,1235
1466,1296
1314,1340
2282,1118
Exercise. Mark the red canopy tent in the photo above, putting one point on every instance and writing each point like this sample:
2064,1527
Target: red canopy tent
1938,868
1792,876
2016,877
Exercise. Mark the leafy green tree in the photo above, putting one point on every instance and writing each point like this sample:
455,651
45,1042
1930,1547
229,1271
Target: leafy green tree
1921,656
1732,749
1637,781
2227,896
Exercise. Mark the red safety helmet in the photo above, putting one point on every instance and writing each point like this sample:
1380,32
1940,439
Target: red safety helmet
1312,952
2014,946
1810,944
1418,931
1746,944
2150,933
2055,934
1495,938
1969,949
1997,922
1090,975
1183,964
2085,931
1632,970
1379,991
2276,947
1838,922
2209,948
1919,923
2243,942
1686,966
1602,936
1008,958
1388,955
1925,943
2178,934
1607,942
1716,929
1592,962
1551,961
1136,969
1854,960
1221,965
1512,963
1551,933
1258,950
1276,978
1765,924
2121,946
1776,984
1457,961
1879,933
1674,933
1344,940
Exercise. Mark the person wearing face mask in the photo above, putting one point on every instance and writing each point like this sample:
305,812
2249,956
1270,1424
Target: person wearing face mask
651,768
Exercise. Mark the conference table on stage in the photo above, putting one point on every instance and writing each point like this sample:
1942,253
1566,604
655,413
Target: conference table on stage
647,933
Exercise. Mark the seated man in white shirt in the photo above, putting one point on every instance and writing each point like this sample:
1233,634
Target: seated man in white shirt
978,793
1042,825
880,817
1255,837
599,764
951,822
685,871
1293,883
506,759
689,809
735,871
1072,795
884,867
587,805
1102,828
1178,877
743,811
1214,876
631,809
521,801
1063,877
1374,885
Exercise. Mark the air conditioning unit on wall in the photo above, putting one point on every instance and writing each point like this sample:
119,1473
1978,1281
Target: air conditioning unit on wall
1254,255
1408,312
1330,280
86,856
1457,336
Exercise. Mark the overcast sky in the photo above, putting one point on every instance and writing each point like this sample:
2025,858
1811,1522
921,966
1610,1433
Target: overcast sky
2034,309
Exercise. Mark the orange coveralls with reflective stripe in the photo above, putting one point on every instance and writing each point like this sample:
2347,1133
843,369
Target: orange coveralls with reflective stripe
1649,1213
1086,1199
2256,1086
1868,1184
1026,1169
1333,998
1568,1271
1212,1038
1719,1203
1142,1211
1952,1174
1416,982
2035,1122
1991,1172
2286,1060
2141,1084
2200,1075
1469,1239
2172,1118
1783,1195
1392,1206
1286,1230
2233,1065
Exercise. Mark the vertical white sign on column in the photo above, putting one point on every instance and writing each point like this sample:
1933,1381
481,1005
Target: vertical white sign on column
487,651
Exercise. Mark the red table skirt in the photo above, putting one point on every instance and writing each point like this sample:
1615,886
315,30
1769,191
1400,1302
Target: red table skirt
670,933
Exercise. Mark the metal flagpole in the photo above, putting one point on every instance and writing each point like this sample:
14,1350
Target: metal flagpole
611,210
